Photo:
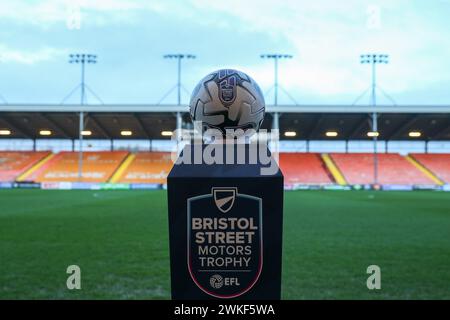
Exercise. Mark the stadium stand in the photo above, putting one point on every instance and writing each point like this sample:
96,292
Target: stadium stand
13,164
147,167
305,168
438,164
153,167
394,169
97,167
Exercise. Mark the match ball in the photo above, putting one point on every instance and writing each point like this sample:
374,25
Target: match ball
227,99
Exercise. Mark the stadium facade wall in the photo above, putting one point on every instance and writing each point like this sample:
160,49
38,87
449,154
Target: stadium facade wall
132,145
438,146
54,145
365,146
406,147
94,145
327,146
16,145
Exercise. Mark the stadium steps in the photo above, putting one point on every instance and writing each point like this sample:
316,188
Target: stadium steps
15,163
37,172
25,175
335,172
430,174
122,168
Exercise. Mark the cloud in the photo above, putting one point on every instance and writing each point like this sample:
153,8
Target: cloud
327,38
47,13
8,54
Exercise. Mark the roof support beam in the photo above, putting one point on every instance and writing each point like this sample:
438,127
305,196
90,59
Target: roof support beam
103,131
141,125
436,132
440,131
315,128
18,127
56,125
397,132
365,120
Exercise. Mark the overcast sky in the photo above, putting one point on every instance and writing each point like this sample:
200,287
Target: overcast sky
131,36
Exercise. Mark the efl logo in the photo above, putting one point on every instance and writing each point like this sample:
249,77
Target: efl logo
216,281
225,244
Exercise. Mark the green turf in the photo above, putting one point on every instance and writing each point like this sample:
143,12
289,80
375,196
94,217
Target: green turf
120,241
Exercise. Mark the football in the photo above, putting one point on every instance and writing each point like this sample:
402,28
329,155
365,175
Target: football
227,99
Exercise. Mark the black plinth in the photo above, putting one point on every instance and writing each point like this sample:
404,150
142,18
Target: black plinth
225,226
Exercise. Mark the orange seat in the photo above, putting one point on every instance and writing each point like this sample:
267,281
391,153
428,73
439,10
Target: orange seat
148,167
439,164
97,167
358,168
13,164
304,168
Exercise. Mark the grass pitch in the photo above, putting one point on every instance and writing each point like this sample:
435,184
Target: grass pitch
120,241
